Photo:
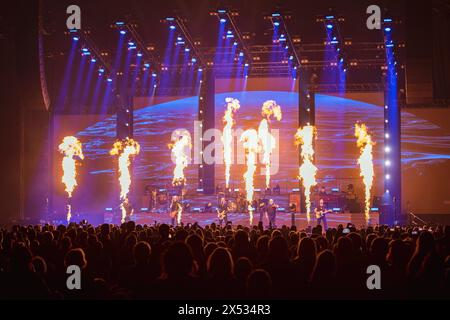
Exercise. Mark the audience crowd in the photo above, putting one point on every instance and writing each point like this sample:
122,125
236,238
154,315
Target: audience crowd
234,262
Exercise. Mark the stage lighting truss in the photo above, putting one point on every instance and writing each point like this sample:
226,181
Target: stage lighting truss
134,42
187,42
240,41
87,48
285,43
331,23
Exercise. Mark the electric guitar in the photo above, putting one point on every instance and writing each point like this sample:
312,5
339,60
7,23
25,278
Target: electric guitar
175,209
321,213
221,214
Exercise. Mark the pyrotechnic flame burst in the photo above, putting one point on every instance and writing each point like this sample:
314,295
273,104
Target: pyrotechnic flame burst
125,149
307,171
268,143
250,139
180,141
227,135
70,147
365,161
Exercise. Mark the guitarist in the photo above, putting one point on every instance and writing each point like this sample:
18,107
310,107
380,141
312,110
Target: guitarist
222,211
321,212
175,210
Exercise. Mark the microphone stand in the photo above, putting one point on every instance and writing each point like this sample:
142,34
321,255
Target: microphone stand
417,218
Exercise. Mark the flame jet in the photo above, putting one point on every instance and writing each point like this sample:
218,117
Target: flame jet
365,161
268,144
70,147
180,140
227,135
307,171
125,149
250,139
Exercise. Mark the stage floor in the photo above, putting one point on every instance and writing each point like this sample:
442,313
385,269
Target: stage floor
283,218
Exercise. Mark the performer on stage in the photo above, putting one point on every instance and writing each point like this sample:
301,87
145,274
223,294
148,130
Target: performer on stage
321,211
262,209
222,211
175,210
272,213
126,204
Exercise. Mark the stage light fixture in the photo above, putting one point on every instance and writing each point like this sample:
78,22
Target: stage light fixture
276,24
172,27
223,20
122,32
75,38
329,26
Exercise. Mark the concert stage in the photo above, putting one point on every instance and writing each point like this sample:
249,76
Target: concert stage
283,218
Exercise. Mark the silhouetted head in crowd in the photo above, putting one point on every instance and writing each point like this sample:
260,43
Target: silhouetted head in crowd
241,239
21,258
75,257
259,284
142,252
325,266
306,252
181,235
195,242
209,248
379,250
105,230
242,268
343,250
321,244
39,265
164,231
278,250
130,241
425,243
177,261
356,241
220,264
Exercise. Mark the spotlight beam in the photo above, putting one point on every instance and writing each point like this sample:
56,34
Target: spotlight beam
229,15
190,43
334,37
147,55
88,43
279,21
